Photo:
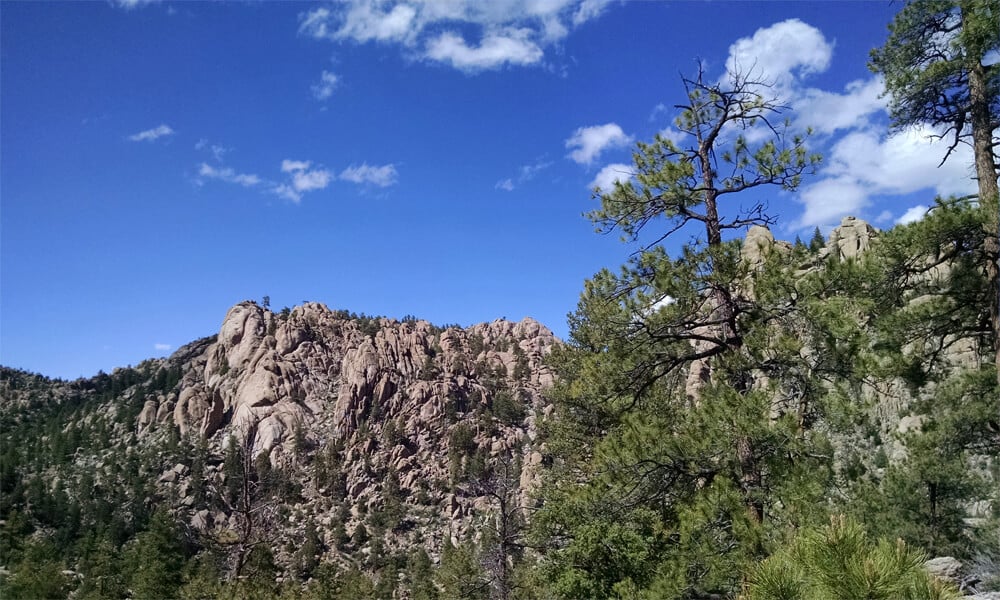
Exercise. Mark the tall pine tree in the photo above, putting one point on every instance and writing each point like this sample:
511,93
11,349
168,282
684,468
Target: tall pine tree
683,436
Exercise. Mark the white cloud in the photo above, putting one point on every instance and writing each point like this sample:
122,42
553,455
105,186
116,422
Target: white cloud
494,33
361,22
589,9
904,162
506,185
228,175
912,215
589,142
673,135
161,347
657,111
495,50
606,177
827,112
863,164
290,166
862,161
152,134
648,311
315,23
131,4
382,176
218,152
303,179
663,303
781,52
324,88
287,192
830,199
781,56
307,181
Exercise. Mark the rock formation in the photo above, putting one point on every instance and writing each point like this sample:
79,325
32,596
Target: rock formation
352,410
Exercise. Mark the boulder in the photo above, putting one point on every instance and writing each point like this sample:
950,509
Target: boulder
945,567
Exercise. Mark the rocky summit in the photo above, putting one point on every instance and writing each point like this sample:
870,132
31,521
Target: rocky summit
363,435
392,396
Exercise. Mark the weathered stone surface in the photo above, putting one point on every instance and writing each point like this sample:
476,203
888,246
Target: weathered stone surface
851,238
148,414
390,394
944,567
759,242
198,411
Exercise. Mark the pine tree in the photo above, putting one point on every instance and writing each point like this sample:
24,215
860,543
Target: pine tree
930,329
155,559
935,74
687,392
99,566
816,243
420,576
460,576
38,574
252,506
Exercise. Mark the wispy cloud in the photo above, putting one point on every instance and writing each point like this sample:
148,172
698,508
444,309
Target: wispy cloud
303,179
291,166
658,110
217,151
382,176
286,191
884,217
132,4
300,177
493,34
524,173
361,21
160,347
323,89
228,175
528,172
587,143
152,134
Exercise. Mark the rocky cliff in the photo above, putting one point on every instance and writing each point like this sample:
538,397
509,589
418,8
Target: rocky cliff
386,434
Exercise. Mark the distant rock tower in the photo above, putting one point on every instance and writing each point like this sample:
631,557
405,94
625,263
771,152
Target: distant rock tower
851,238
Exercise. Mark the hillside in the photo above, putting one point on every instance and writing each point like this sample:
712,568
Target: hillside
320,452
362,439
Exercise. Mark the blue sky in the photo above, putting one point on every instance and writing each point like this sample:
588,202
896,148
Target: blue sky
162,161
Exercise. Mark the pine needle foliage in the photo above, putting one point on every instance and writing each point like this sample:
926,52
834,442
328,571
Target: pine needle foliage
840,562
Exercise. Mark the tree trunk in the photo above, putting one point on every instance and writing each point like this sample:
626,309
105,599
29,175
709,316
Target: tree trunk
750,478
989,197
